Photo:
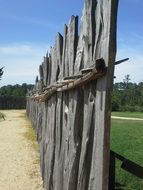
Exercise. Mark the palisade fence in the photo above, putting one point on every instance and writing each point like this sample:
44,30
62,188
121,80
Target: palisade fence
70,104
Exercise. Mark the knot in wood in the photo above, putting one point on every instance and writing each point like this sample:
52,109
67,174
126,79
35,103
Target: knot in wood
100,65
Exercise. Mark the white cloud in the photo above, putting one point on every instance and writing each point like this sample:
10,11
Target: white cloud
133,67
30,20
20,49
21,62
16,49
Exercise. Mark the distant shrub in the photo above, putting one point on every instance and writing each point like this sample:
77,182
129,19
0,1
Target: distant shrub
139,108
128,108
115,106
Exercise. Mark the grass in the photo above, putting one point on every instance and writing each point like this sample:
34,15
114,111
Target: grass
30,135
126,139
128,114
2,116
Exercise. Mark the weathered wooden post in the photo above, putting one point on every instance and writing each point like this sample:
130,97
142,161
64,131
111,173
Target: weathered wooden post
73,120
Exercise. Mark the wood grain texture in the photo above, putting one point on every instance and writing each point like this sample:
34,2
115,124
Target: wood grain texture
73,126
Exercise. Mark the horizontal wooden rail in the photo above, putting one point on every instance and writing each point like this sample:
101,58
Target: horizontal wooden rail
126,165
68,83
129,165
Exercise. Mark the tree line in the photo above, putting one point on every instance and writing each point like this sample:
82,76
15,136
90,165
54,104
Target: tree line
14,96
127,96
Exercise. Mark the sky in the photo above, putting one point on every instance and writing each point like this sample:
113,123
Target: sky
28,28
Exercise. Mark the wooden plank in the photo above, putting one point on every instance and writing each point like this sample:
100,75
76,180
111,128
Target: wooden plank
45,70
105,46
72,39
67,85
63,70
59,50
73,126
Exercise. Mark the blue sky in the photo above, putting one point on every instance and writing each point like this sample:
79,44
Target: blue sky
29,27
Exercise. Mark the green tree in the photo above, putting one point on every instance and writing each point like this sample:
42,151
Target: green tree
127,96
126,80
1,72
14,96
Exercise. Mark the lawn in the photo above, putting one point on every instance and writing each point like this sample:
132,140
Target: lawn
128,114
127,140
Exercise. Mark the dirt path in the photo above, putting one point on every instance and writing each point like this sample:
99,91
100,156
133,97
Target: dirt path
19,165
127,118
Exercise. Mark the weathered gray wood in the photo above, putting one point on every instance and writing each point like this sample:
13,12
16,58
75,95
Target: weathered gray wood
105,46
73,126
45,70
72,42
63,71
67,85
59,50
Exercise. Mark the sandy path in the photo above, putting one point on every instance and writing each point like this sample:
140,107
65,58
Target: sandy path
19,168
127,118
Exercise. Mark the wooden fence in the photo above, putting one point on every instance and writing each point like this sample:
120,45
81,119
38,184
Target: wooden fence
73,124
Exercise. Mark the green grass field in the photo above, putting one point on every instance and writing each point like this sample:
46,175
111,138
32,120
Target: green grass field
128,114
127,140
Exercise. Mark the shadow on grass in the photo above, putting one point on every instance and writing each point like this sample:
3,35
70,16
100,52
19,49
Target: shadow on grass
119,186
